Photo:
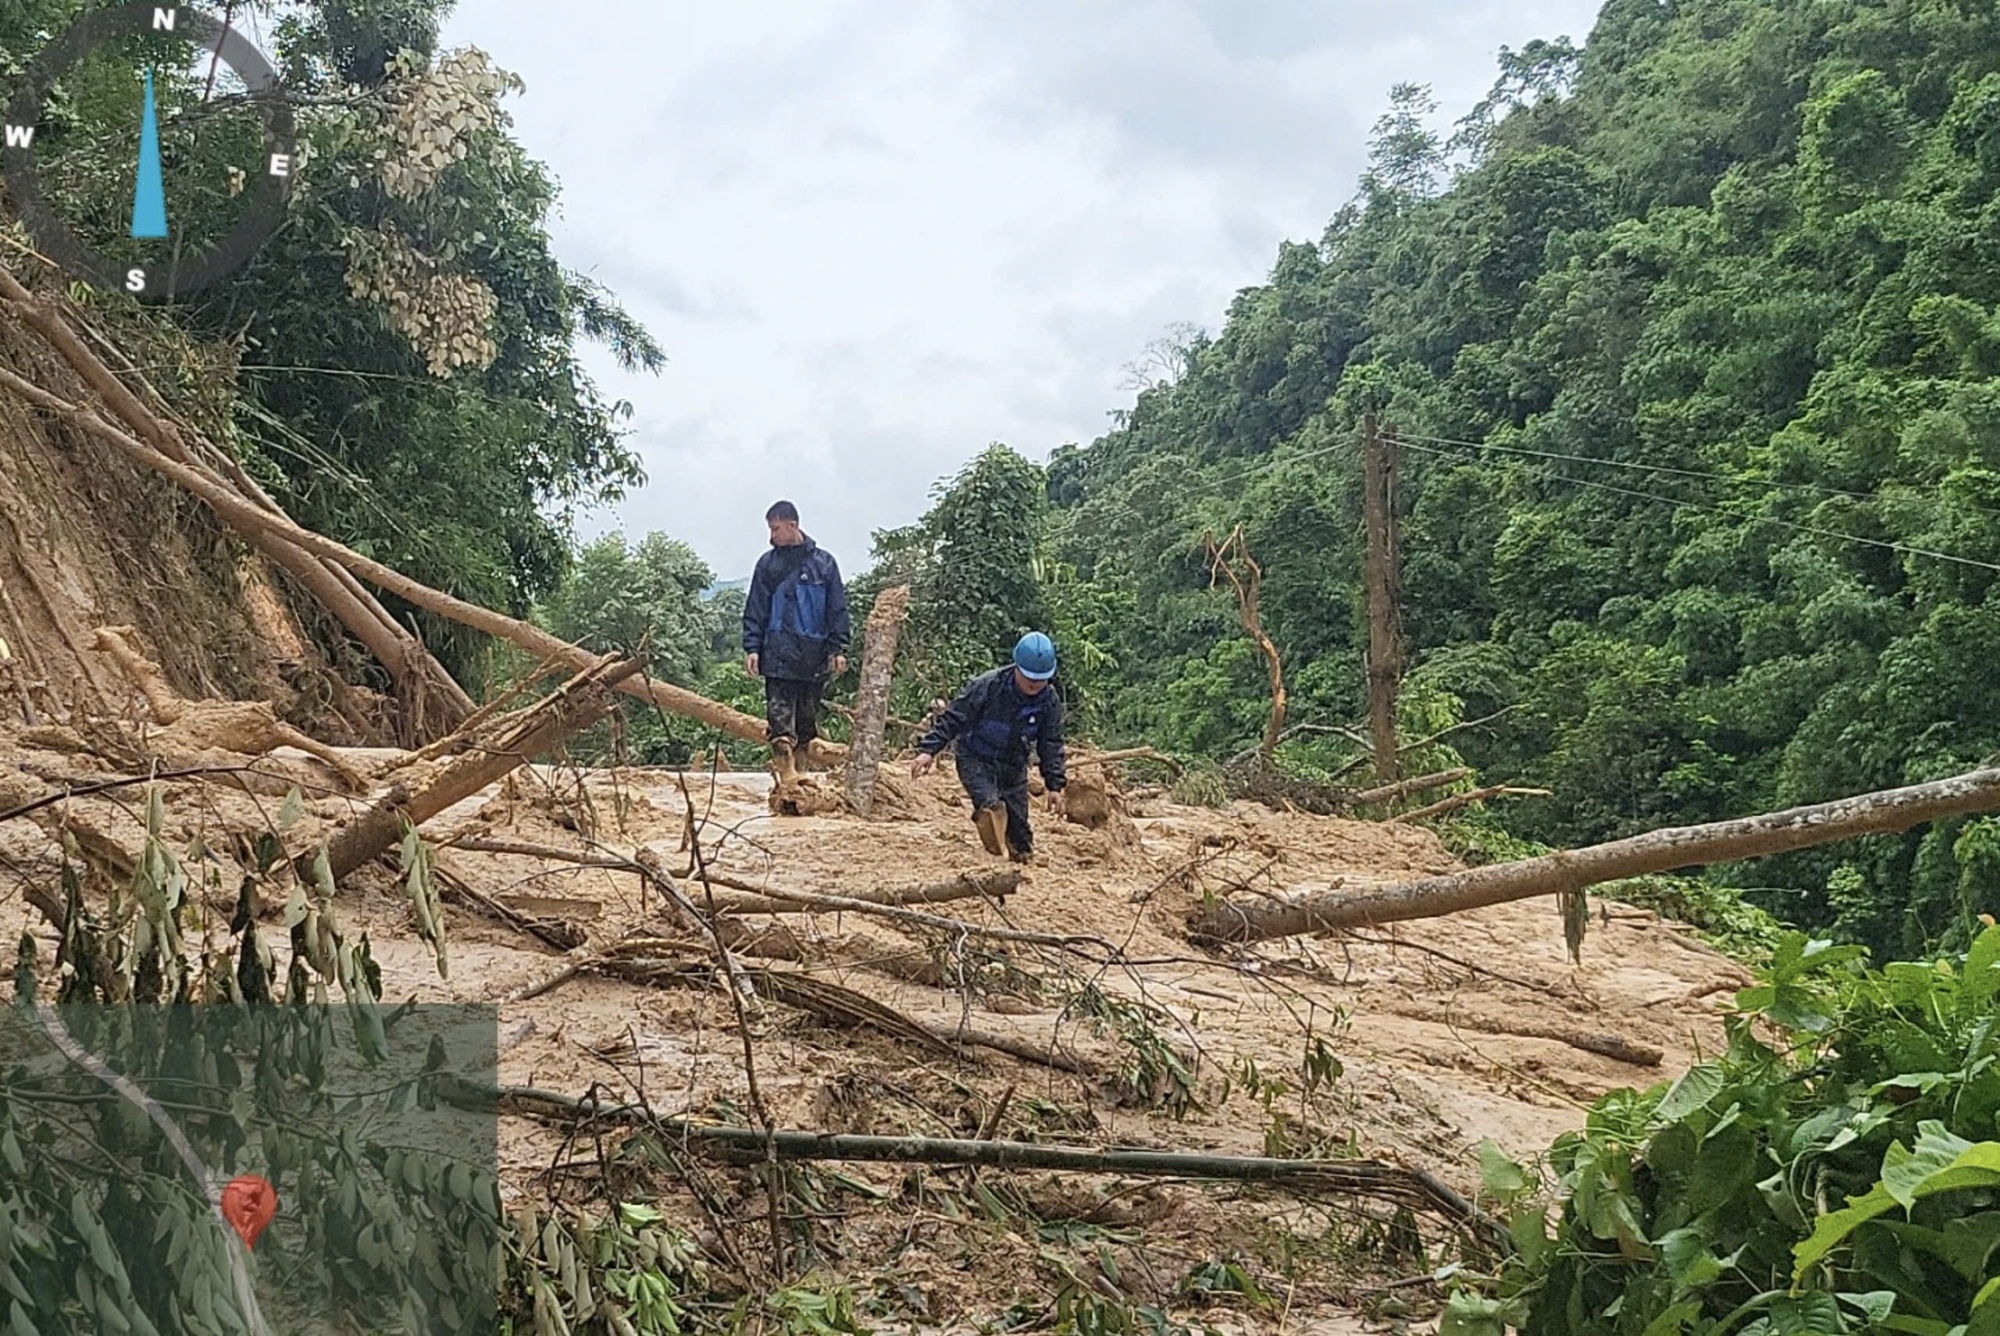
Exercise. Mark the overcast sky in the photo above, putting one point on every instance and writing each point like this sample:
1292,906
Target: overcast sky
873,238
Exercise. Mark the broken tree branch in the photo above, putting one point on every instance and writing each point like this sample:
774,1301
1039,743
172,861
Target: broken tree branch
1389,793
577,705
1569,871
394,646
1452,804
996,885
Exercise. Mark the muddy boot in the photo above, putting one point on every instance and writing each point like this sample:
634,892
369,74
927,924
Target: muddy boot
992,823
1017,856
783,763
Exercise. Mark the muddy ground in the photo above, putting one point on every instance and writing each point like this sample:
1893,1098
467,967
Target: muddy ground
1436,1028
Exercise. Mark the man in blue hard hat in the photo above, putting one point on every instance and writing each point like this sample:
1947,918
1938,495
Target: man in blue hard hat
795,633
998,721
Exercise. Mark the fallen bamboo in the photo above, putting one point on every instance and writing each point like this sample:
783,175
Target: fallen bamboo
1452,804
242,515
1373,1179
996,885
393,645
1389,793
1590,1041
835,1003
871,713
579,704
1571,870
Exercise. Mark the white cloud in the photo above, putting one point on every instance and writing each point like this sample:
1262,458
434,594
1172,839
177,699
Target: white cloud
874,239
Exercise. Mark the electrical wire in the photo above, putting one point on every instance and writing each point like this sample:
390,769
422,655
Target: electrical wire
1681,503
1770,484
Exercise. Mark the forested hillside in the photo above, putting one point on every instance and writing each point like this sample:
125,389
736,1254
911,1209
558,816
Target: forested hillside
1690,336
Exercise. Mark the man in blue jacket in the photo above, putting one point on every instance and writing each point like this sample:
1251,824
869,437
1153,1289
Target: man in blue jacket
795,633
998,721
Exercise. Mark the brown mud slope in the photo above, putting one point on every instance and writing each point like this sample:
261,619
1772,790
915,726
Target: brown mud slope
1444,1032
88,539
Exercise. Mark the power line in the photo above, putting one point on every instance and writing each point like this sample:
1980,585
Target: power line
1768,483
1680,503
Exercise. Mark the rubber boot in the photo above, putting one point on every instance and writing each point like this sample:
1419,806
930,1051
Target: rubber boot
783,764
992,823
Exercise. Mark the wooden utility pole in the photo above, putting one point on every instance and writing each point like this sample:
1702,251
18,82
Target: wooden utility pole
1384,657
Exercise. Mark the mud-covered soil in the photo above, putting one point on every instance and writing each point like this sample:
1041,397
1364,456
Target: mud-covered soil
1436,1026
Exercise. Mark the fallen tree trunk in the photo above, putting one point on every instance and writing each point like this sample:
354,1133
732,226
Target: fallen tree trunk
578,705
995,885
1362,1178
1572,870
871,703
1589,1041
248,518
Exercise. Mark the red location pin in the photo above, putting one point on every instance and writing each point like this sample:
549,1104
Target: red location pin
248,1203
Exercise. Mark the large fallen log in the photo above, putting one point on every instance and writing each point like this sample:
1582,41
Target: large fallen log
871,713
1572,870
247,518
579,704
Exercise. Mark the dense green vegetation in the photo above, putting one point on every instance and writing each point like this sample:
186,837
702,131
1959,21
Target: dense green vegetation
1833,1170
1690,335
402,353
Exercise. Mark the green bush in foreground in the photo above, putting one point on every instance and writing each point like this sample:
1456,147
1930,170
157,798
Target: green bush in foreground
1835,1169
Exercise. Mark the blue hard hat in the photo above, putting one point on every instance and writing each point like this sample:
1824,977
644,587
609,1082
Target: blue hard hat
1035,656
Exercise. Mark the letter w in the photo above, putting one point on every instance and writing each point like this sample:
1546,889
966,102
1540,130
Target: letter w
20,136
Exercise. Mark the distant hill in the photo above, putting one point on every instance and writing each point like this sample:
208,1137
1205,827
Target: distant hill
721,585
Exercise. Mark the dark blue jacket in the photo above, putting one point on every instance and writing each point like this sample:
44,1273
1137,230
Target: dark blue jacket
994,721
795,615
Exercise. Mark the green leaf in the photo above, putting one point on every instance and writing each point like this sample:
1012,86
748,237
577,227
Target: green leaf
1470,1314
1982,969
1815,1314
291,809
1693,1090
1500,1175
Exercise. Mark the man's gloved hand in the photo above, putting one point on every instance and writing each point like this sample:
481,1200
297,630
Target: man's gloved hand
922,765
1057,802
838,663
750,665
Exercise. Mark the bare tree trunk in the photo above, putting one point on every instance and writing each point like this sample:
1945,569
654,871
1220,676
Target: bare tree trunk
871,705
1221,562
1383,665
244,516
579,704
1572,870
